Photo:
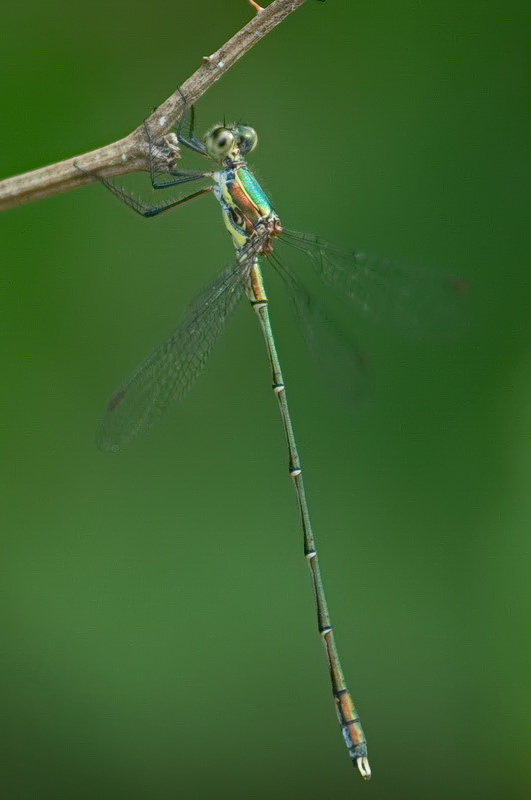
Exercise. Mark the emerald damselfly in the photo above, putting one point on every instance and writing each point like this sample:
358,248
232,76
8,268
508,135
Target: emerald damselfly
376,286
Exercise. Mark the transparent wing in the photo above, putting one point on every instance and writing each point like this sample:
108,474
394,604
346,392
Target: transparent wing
412,299
335,352
170,371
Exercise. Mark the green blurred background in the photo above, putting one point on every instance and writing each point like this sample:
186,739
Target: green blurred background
158,638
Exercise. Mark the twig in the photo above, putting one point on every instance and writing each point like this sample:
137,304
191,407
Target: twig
131,154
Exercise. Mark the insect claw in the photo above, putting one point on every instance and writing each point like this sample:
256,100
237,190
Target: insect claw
256,7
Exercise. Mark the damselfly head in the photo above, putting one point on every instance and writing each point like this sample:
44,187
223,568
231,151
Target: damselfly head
230,140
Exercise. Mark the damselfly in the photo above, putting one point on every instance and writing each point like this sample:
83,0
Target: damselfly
376,286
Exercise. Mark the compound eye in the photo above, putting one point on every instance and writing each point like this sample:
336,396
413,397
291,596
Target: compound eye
247,138
219,142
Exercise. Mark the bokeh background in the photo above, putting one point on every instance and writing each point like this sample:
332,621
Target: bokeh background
158,637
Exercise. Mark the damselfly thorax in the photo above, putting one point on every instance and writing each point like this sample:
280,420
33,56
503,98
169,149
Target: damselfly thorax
247,212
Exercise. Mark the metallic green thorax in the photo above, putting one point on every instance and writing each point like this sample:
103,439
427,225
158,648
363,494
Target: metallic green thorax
242,200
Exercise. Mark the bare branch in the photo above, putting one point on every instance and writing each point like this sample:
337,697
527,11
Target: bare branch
131,154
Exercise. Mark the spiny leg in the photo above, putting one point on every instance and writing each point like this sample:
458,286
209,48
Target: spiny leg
189,140
177,176
136,203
